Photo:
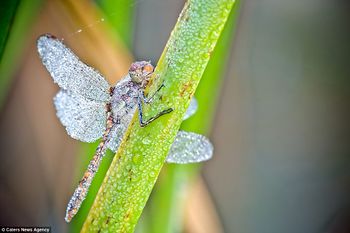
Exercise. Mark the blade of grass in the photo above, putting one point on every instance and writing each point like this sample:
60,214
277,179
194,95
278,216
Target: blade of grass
166,206
16,37
136,165
8,12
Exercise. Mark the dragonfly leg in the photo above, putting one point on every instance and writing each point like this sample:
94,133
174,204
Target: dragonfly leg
143,122
150,99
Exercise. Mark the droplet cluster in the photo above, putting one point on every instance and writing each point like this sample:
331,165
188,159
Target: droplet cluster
69,72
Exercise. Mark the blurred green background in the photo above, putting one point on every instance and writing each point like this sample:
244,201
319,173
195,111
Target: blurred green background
280,127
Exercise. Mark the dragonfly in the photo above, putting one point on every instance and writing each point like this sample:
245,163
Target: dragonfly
90,108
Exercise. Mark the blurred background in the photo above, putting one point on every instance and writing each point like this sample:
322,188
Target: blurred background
274,100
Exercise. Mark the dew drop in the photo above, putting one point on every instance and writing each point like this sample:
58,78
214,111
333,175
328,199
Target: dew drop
152,174
137,159
146,141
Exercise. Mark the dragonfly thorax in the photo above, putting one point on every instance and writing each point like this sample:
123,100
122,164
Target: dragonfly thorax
124,98
126,92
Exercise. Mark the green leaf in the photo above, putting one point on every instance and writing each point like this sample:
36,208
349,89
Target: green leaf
16,20
7,12
136,165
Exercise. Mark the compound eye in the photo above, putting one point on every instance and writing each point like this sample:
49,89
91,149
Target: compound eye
148,68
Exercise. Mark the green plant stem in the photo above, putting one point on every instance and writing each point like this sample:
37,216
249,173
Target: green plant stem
171,187
136,165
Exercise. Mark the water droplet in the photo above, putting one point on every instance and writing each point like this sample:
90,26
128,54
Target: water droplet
137,159
146,141
152,174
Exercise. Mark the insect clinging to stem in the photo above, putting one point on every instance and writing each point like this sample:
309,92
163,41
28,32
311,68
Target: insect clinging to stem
90,109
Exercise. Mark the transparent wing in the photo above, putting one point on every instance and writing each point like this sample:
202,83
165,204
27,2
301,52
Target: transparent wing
69,72
116,136
84,120
190,148
192,108
118,130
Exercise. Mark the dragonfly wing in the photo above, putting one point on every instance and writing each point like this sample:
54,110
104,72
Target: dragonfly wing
69,72
121,123
116,136
190,147
84,120
192,108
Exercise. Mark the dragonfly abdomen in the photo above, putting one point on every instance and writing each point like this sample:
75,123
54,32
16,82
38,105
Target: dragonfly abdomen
84,184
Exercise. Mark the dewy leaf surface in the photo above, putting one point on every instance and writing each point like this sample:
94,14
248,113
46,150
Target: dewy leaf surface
136,165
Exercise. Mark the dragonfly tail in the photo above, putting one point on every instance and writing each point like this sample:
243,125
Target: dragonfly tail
84,184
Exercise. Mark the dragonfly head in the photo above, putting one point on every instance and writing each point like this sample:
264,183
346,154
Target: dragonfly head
140,72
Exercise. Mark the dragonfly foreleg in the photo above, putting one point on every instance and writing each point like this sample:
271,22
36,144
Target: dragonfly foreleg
150,99
143,122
